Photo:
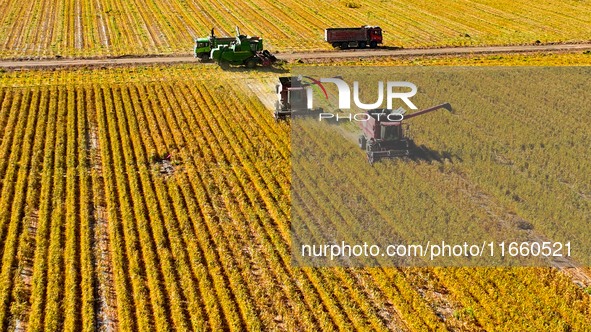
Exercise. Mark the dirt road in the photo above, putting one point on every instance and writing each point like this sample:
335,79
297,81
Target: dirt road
134,61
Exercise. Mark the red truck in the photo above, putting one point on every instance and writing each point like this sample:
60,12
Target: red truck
354,37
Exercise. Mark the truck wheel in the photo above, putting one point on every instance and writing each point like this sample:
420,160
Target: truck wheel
335,45
344,45
251,63
362,142
373,44
362,44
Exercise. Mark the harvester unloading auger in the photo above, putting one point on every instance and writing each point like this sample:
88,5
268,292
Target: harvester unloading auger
244,51
383,134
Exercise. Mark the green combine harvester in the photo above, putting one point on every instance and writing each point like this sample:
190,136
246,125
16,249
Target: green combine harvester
204,45
243,51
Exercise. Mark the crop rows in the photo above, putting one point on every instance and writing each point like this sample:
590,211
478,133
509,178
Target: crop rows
202,245
506,162
489,296
193,176
537,168
89,28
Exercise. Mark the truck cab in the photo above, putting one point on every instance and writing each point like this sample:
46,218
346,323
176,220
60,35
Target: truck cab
374,36
204,45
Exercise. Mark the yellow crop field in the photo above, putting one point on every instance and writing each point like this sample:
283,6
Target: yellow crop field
158,198
88,28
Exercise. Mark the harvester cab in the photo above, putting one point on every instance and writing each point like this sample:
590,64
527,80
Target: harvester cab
292,99
243,50
384,134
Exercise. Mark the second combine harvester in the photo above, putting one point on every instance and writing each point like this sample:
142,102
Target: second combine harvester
383,133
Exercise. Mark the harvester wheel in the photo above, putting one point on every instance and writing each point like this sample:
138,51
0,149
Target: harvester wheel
251,63
373,44
204,57
370,158
224,64
362,142
369,146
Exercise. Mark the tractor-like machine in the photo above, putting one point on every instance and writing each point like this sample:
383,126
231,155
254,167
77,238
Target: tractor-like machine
383,133
243,51
292,99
